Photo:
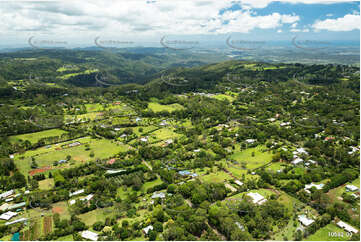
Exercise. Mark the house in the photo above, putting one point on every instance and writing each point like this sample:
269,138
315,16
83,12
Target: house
304,220
300,151
11,156
297,161
62,161
169,141
240,226
250,141
89,235
309,186
16,221
9,199
197,150
4,207
6,194
111,172
184,173
285,124
87,198
257,198
351,188
158,195
347,227
144,139
74,144
163,123
147,229
239,183
272,119
16,206
8,215
138,119
76,193
117,129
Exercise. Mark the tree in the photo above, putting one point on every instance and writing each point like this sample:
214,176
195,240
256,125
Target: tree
152,235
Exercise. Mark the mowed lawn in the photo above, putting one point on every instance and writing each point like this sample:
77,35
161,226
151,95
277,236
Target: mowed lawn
102,149
46,184
96,215
35,137
323,234
163,134
260,158
217,177
156,107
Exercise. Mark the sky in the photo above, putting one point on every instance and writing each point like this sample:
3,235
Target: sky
106,23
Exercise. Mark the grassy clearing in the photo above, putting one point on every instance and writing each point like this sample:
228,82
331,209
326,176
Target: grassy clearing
151,184
163,134
156,107
223,96
259,158
66,238
62,209
35,137
93,216
46,184
102,149
323,234
218,177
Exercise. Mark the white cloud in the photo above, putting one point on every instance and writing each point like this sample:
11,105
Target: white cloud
348,22
294,25
265,3
279,31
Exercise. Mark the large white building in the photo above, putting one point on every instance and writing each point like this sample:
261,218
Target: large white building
304,220
8,215
347,227
257,198
89,235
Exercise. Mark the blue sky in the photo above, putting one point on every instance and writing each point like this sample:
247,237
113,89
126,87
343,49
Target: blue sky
80,22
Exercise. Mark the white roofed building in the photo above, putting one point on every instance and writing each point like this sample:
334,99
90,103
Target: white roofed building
351,188
89,235
76,193
347,227
8,215
304,220
257,198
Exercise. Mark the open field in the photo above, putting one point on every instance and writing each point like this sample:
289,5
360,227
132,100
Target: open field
35,137
323,234
102,148
156,107
219,176
259,158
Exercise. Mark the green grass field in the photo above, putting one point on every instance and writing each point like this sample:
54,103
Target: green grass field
260,158
218,177
46,184
156,107
323,234
102,148
96,215
35,137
